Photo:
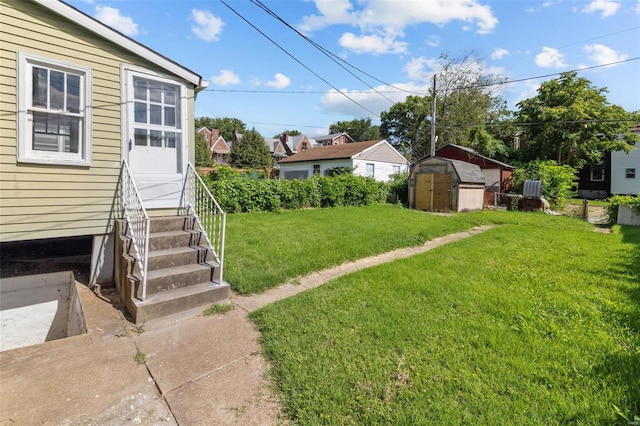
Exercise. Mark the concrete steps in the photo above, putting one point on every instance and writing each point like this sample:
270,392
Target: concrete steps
181,272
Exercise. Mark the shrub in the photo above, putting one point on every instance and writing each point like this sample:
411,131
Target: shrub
399,189
558,182
237,194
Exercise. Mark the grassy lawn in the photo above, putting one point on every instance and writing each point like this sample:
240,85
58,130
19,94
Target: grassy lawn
264,250
536,321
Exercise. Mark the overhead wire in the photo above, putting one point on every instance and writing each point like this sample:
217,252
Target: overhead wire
325,51
297,60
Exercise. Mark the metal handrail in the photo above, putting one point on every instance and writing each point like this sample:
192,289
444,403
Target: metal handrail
137,221
196,199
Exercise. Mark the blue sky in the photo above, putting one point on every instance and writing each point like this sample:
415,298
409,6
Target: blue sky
397,42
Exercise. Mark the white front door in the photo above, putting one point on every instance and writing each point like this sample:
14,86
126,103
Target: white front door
154,136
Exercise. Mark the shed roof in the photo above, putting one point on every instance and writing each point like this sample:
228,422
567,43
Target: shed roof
334,152
467,172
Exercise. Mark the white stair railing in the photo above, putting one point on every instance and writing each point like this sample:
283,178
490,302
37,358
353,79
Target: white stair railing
197,200
137,222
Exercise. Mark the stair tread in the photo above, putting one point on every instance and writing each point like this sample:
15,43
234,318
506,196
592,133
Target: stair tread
173,251
168,233
180,292
175,270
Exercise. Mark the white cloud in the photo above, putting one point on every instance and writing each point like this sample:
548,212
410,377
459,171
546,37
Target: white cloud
373,44
601,54
421,69
225,77
637,7
111,16
499,53
386,21
280,81
207,27
604,7
550,58
333,102
434,41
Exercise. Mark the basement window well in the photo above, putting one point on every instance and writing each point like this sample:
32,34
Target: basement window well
39,308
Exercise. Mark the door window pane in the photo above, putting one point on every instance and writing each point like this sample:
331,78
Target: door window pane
170,138
139,89
155,114
156,138
170,116
140,136
140,112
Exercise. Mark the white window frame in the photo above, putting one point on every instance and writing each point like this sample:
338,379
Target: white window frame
25,151
370,170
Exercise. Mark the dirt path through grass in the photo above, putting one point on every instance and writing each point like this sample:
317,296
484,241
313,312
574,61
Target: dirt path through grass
254,302
264,401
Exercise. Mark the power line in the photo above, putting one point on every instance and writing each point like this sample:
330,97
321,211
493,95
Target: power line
496,83
298,61
323,50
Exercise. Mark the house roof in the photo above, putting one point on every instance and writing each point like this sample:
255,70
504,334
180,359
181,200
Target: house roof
97,27
474,152
331,137
334,152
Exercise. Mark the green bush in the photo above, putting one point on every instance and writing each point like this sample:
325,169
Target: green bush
616,201
558,182
399,189
237,193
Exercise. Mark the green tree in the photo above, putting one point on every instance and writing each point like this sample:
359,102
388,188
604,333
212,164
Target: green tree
289,132
360,129
226,125
465,99
250,151
571,122
203,156
405,126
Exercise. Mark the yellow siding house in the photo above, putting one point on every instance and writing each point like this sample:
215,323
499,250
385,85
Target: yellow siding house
77,99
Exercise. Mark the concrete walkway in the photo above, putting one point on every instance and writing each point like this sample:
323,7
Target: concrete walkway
194,369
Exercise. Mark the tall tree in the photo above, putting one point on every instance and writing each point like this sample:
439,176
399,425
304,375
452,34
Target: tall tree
250,151
226,125
465,100
571,121
289,132
360,129
203,155
406,127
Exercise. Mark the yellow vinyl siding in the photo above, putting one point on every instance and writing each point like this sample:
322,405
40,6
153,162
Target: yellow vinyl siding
47,201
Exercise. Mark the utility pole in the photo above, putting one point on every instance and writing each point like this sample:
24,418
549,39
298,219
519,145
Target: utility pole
433,118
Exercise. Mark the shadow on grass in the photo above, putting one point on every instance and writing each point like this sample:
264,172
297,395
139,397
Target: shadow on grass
623,366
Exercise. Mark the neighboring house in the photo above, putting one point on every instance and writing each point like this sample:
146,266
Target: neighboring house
296,144
218,148
80,101
496,173
594,181
443,184
617,174
376,159
333,139
625,170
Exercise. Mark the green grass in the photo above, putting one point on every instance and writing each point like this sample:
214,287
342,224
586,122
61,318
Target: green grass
595,203
264,250
533,322
218,308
